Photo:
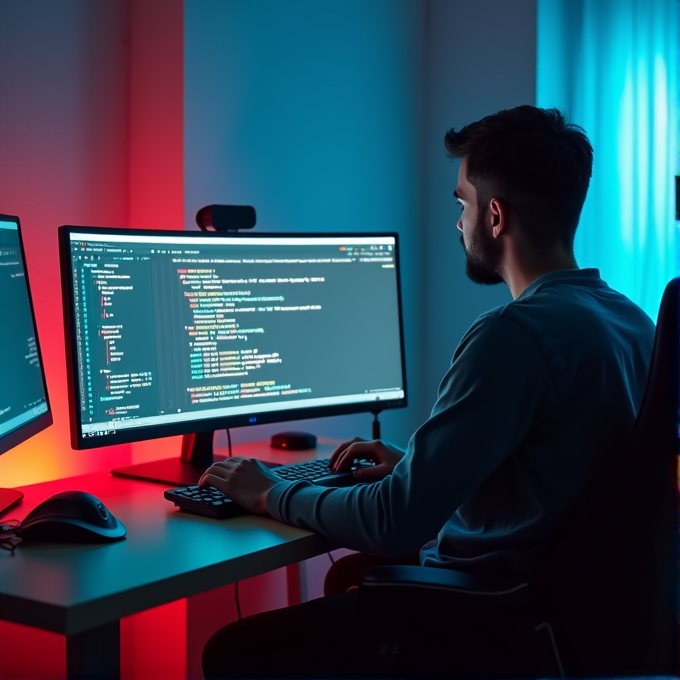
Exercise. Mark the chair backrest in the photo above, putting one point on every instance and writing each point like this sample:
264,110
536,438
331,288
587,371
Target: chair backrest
610,580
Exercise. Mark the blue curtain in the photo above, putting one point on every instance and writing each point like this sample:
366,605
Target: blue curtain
612,66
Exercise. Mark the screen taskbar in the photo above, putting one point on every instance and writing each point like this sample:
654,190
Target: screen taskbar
108,427
23,418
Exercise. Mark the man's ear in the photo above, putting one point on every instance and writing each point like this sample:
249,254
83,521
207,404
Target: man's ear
498,217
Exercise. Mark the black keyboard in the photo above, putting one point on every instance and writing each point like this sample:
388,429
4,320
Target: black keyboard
211,502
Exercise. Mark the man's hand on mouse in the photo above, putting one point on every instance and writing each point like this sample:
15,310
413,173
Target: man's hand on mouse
244,480
384,455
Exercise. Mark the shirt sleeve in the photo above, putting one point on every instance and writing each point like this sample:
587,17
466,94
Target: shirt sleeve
498,384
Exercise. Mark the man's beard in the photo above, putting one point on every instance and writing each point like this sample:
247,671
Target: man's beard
482,256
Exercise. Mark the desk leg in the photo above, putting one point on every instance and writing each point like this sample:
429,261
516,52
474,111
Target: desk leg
294,583
94,654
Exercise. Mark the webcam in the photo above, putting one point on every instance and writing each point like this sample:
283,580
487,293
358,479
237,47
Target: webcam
226,217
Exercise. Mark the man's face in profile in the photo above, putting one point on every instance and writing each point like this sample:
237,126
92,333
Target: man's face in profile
482,252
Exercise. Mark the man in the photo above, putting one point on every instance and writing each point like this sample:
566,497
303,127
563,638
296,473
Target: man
538,392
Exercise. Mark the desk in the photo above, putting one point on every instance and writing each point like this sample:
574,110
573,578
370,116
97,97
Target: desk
82,591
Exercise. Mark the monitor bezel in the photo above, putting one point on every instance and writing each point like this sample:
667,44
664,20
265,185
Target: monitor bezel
44,420
131,435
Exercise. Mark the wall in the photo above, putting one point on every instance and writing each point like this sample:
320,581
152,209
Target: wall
64,131
352,139
312,113
91,130
156,143
481,57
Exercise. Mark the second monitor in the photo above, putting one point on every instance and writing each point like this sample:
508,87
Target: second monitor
188,332
24,404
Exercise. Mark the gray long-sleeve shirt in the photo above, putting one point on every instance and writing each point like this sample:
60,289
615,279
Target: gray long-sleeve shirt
538,395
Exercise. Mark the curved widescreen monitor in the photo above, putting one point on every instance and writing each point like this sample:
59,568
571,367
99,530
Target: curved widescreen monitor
173,332
24,404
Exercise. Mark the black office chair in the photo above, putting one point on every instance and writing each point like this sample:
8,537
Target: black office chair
606,588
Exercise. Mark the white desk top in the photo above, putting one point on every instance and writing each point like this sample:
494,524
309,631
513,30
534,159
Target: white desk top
167,555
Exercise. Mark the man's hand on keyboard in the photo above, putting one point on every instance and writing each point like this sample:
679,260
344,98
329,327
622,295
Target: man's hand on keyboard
244,480
384,455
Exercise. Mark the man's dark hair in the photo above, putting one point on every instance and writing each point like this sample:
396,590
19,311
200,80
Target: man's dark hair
535,162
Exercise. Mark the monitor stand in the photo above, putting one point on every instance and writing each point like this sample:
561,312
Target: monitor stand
197,456
9,498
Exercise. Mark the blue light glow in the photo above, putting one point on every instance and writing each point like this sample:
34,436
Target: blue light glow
612,66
